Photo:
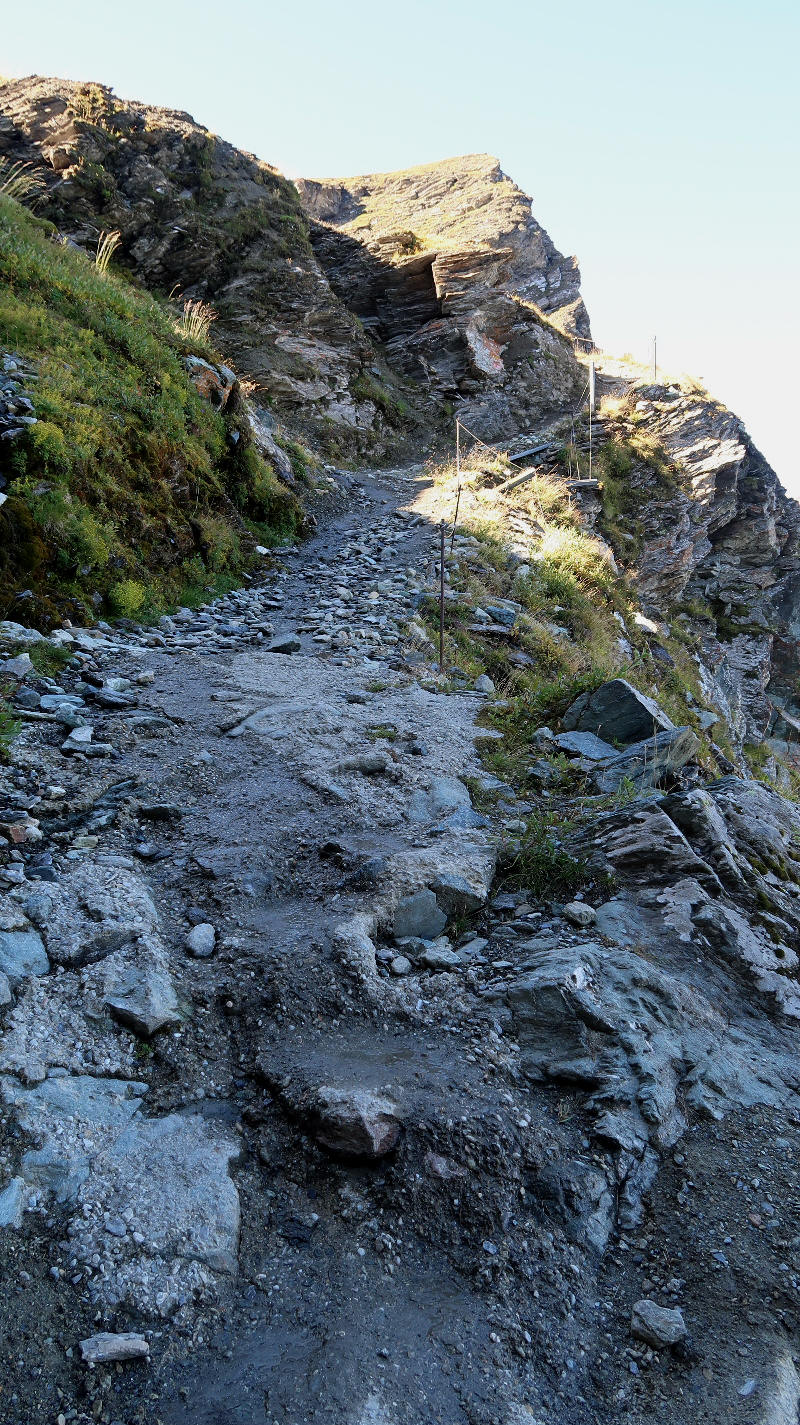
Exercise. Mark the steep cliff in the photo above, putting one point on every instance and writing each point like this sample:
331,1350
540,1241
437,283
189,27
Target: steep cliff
405,290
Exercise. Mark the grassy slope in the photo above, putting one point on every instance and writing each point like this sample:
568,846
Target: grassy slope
129,492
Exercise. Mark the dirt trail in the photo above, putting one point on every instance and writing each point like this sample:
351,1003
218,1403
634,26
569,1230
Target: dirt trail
325,1187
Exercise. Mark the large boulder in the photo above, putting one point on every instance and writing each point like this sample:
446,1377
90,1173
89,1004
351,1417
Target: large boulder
616,712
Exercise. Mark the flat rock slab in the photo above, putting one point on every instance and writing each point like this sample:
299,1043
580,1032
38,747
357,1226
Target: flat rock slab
166,1182
22,954
584,744
72,1116
617,712
114,1346
94,911
445,795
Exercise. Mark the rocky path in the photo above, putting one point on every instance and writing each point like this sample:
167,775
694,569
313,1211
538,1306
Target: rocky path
222,1043
294,1100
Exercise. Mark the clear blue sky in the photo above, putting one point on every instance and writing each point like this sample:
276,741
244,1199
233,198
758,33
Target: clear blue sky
659,141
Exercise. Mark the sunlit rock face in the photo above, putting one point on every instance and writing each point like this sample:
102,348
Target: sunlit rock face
725,539
447,265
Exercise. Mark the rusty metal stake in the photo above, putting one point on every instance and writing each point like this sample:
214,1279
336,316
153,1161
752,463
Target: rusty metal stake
441,597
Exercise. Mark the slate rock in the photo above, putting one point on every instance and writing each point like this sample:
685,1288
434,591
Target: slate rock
441,956
646,764
616,711
584,744
22,954
12,1203
657,1325
462,819
113,1346
78,740
141,996
290,643
18,667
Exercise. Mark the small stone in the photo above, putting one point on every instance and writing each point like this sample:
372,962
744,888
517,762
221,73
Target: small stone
78,740
418,915
356,1122
441,956
370,763
483,684
400,965
657,1325
579,914
201,941
290,643
114,1346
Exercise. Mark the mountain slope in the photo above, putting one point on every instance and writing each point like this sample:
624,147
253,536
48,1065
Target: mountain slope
202,218
124,488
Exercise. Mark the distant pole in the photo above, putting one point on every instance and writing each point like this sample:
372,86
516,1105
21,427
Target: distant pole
591,409
655,363
458,485
441,597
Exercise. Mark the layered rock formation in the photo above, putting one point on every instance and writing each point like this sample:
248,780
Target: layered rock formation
720,544
446,264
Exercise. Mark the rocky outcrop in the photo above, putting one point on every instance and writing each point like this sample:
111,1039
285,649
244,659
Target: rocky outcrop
719,544
200,218
447,265
433,283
